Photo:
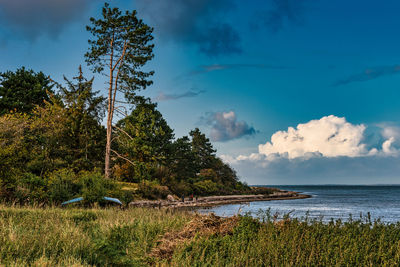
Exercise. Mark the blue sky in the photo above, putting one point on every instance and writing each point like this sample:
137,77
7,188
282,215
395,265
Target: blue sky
242,71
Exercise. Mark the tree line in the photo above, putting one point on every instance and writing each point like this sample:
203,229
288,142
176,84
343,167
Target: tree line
54,146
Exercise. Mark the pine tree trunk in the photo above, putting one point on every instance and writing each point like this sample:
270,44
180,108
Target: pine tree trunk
108,148
110,113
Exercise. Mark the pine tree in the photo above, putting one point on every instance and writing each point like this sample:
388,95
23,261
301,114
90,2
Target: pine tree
202,149
85,111
120,48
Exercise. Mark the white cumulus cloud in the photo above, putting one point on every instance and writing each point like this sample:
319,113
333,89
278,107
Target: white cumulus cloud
323,151
329,136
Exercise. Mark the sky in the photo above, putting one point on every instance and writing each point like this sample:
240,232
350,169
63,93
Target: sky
289,91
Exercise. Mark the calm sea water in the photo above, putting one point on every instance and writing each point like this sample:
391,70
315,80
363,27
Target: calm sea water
328,201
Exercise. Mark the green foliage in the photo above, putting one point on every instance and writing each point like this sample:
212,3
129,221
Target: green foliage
206,187
183,164
47,140
31,188
55,136
22,90
144,138
63,185
58,186
202,149
95,187
126,39
85,110
152,190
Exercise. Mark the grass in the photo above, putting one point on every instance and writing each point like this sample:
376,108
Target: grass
297,243
113,237
79,237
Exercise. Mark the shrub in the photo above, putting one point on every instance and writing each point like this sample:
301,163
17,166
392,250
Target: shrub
206,187
95,187
63,185
152,190
31,188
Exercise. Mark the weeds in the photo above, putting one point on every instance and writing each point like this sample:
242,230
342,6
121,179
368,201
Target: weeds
141,237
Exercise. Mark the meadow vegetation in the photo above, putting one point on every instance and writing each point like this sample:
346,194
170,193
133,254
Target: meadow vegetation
162,237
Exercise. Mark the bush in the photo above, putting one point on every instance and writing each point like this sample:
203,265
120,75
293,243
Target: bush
95,187
206,187
58,186
31,188
63,185
152,190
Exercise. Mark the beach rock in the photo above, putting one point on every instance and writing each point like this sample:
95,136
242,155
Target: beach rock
171,198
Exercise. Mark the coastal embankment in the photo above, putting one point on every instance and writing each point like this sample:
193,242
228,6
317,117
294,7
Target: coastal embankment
211,201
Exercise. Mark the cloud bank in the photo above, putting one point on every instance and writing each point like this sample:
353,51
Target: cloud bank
319,170
218,67
225,126
199,22
369,74
323,151
165,97
329,136
283,12
34,18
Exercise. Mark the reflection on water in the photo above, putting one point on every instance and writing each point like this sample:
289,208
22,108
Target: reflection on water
328,202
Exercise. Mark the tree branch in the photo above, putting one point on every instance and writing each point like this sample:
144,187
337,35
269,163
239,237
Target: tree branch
123,131
122,157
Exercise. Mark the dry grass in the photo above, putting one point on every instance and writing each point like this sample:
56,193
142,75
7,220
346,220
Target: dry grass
200,225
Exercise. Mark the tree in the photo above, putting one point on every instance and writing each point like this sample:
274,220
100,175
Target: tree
202,149
21,90
85,111
144,139
120,48
183,164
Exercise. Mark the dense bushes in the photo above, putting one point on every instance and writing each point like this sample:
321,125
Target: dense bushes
48,154
60,186
152,190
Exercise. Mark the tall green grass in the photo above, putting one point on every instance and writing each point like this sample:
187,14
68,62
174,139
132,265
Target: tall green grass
297,243
113,237
79,237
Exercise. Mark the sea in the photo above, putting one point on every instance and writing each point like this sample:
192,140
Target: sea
345,202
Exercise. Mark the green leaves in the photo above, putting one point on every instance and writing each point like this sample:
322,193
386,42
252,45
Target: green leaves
120,48
21,90
85,110
121,44
145,138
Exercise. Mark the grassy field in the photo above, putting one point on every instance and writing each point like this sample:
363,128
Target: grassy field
79,237
141,237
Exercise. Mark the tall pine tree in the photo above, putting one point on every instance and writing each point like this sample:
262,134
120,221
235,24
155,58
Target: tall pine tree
120,48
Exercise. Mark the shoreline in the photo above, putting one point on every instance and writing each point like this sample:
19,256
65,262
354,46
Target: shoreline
213,201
